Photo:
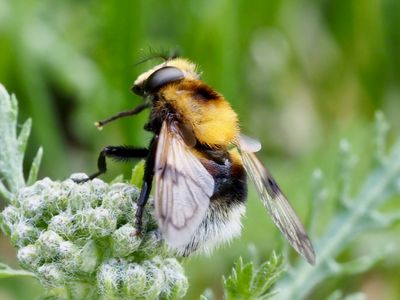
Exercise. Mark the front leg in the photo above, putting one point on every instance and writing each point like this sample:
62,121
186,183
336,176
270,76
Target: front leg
122,114
120,153
146,186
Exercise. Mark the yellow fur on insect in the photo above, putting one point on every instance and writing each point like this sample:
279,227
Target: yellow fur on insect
213,120
235,157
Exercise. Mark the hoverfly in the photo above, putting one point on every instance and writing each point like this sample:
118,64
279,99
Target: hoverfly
199,161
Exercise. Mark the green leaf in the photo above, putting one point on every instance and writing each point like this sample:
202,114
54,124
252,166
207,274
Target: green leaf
13,147
4,192
6,271
24,135
267,274
246,282
35,167
137,174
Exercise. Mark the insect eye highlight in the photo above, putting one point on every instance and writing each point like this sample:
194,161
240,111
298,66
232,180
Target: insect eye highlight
162,77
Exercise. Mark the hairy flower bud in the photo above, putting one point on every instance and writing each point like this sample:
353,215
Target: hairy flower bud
109,277
102,222
177,282
29,257
62,224
24,234
119,201
68,253
156,281
125,241
33,208
9,217
134,284
49,244
51,275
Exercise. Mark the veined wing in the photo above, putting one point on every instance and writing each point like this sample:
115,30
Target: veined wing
183,187
278,206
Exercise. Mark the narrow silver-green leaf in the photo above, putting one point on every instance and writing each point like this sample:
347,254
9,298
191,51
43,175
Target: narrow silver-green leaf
23,137
4,192
35,167
7,271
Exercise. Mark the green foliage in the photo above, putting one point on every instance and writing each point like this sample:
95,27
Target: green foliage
246,282
356,214
6,271
13,147
137,174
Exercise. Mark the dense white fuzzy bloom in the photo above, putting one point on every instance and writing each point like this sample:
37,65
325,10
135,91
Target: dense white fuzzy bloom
67,232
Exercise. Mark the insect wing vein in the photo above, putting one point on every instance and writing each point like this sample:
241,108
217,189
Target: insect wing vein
183,187
278,206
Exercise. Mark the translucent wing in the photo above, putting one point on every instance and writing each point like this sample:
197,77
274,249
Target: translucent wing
278,206
183,187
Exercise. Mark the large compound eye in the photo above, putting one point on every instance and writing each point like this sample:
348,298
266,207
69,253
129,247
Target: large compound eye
162,77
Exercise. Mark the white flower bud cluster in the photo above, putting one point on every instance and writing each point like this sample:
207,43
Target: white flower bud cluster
67,232
158,278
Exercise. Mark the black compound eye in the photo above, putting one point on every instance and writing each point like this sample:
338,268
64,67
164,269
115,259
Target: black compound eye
162,77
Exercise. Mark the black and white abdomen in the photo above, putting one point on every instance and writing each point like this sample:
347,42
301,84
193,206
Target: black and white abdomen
222,222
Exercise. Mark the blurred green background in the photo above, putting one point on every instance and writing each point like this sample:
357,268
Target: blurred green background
300,74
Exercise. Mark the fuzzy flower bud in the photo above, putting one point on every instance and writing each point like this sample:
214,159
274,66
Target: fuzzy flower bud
102,222
135,283
109,278
119,201
8,218
156,281
153,245
33,208
49,244
51,275
68,253
29,257
62,224
177,283
23,234
124,241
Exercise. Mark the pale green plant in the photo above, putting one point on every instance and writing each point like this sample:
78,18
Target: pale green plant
250,282
356,213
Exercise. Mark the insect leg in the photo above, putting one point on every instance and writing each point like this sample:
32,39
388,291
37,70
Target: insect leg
146,186
122,114
121,153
